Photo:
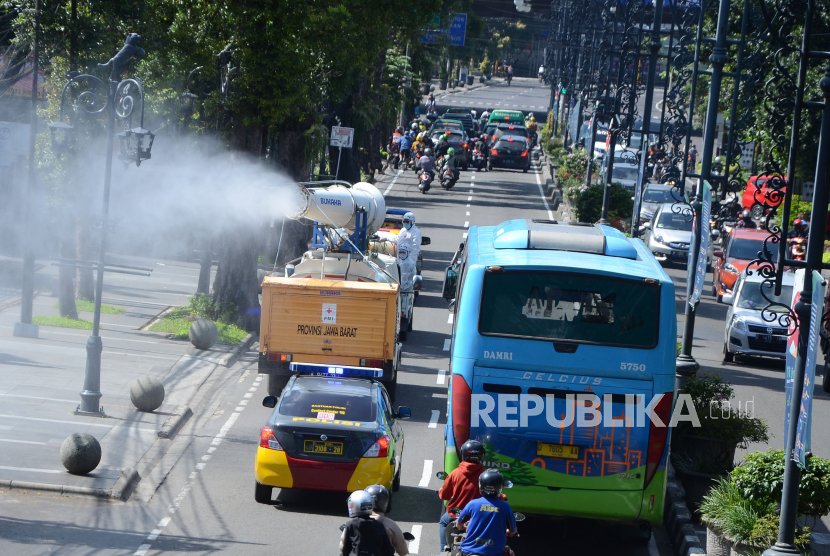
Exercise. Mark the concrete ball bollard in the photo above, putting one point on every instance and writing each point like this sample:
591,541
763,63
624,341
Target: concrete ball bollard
203,334
147,394
80,453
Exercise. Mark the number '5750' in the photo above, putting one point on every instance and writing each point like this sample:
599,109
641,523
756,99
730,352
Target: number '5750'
632,366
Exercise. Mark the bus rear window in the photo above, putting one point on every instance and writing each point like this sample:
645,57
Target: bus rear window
577,308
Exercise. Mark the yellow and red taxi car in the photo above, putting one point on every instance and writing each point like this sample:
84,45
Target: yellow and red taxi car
740,248
334,431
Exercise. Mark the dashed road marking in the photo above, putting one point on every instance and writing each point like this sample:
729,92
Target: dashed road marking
415,544
542,193
470,198
467,224
442,377
447,343
449,319
426,474
464,235
391,185
433,421
468,212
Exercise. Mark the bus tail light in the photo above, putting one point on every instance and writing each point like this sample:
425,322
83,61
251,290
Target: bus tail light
462,397
657,437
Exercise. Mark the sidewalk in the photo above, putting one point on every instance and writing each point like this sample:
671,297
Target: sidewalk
40,380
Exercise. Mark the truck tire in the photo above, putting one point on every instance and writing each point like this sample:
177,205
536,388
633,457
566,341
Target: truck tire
276,383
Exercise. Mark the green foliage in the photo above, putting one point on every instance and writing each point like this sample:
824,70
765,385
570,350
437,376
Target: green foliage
575,165
177,323
712,399
89,306
588,202
202,305
63,322
764,534
761,478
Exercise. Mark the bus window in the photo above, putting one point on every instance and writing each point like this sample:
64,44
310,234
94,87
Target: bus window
570,307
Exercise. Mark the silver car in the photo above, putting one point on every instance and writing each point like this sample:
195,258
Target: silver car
654,195
670,232
747,333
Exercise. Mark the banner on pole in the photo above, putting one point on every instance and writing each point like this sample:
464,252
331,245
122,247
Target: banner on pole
792,351
454,35
802,435
341,137
701,258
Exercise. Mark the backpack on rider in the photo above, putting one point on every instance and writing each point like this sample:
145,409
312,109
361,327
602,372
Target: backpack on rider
362,535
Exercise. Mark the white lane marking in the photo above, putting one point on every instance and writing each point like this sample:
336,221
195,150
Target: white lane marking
447,344
468,206
78,423
449,318
249,395
473,177
142,550
444,396
433,421
391,185
193,475
442,376
470,198
154,534
464,235
468,212
415,544
467,224
542,193
37,398
426,474
652,548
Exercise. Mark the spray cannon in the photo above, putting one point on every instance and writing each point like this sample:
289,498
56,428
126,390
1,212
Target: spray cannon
358,210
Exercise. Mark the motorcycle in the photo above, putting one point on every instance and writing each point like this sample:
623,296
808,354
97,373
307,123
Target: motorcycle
394,155
509,78
447,179
424,181
478,161
797,247
454,537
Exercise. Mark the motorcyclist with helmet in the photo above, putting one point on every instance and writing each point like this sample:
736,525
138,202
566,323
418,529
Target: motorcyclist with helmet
461,486
442,146
394,145
380,505
491,519
406,147
485,116
532,128
450,162
799,229
427,164
362,535
746,220
482,147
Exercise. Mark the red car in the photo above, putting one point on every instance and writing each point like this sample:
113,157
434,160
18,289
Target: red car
750,199
740,248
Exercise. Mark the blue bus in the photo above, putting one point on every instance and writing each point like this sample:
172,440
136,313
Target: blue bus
562,364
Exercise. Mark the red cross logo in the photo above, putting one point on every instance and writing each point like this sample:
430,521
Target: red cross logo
328,311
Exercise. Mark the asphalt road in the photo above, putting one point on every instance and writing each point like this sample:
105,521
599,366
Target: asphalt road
205,503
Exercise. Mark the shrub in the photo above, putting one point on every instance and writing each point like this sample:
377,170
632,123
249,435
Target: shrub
588,205
764,533
761,478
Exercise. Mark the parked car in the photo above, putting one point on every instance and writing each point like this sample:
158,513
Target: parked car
747,332
459,141
670,232
740,247
510,151
654,195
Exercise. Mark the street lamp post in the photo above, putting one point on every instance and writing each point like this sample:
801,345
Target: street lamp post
134,146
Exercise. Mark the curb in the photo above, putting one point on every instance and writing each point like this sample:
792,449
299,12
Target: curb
175,422
230,358
678,519
121,490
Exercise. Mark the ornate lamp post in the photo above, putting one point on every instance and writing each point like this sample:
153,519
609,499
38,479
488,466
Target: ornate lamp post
116,99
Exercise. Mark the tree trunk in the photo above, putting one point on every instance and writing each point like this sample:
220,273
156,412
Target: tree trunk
205,265
66,277
295,235
235,288
349,163
86,282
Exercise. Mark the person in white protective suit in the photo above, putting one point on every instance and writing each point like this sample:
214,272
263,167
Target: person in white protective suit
409,247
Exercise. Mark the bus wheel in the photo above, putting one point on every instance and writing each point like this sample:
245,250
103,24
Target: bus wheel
643,534
728,356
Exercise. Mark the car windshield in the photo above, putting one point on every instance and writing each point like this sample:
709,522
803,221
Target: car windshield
658,196
570,307
514,132
671,220
747,249
625,173
327,403
752,298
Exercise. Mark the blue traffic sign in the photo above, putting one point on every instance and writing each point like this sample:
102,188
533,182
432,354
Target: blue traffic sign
454,35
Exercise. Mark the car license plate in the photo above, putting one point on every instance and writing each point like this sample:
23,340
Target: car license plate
679,253
557,450
770,339
318,447
509,162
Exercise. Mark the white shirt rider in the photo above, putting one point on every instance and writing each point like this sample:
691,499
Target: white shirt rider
409,247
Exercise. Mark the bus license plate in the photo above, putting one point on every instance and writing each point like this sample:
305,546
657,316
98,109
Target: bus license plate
557,451
317,447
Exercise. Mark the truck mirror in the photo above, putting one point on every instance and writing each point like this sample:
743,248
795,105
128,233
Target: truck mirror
269,401
442,475
403,413
425,241
450,283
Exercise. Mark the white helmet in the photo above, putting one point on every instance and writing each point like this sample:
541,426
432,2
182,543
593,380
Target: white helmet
409,217
360,504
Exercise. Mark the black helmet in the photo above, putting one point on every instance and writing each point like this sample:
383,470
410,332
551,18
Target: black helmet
472,451
428,151
746,214
490,483
380,497
399,129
